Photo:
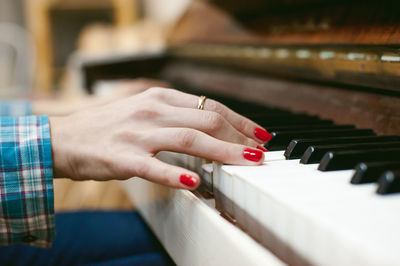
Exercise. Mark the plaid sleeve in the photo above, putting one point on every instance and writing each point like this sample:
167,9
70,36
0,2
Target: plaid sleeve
26,182
15,108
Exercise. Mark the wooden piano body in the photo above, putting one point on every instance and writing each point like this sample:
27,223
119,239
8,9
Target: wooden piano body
336,59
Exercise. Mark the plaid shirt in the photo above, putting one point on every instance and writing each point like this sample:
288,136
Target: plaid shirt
26,178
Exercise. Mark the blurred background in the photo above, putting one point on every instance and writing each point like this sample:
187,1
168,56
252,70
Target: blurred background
44,43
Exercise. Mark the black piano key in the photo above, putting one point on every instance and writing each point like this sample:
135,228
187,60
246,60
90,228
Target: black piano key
315,153
297,147
256,112
248,109
279,123
341,160
304,127
238,105
370,172
290,116
289,119
280,140
389,183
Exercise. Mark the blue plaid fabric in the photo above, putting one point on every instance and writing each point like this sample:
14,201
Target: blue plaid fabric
26,181
15,108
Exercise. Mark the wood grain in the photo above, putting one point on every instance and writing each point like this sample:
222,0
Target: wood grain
369,66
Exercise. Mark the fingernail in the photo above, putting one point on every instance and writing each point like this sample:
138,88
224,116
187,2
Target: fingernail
262,148
188,180
252,155
262,134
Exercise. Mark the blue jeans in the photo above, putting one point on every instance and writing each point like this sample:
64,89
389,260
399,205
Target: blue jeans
93,238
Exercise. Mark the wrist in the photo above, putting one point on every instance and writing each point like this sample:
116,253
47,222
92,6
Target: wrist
59,147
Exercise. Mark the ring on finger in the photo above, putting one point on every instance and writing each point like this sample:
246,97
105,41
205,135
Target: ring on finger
201,102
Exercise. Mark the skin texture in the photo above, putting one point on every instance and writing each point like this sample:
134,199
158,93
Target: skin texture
119,140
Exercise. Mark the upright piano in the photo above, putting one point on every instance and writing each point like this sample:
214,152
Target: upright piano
323,76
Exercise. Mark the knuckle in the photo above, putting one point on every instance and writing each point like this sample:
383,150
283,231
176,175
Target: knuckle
225,154
250,142
214,121
216,106
244,140
155,92
142,170
166,180
186,138
125,136
243,125
145,112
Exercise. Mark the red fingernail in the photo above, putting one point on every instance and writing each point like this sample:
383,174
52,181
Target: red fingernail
262,134
252,155
262,148
188,180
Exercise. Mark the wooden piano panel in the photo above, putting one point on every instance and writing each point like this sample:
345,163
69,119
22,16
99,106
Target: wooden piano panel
352,42
299,22
361,108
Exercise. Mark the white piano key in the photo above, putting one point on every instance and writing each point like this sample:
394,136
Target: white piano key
207,171
267,218
252,202
191,232
320,214
239,195
274,155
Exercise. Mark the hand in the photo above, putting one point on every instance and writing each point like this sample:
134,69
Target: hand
67,106
119,140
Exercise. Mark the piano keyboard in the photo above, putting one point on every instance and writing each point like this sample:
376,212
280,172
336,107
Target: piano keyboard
302,203
326,194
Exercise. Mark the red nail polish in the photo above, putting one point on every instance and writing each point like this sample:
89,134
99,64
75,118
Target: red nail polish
252,155
262,134
188,180
262,148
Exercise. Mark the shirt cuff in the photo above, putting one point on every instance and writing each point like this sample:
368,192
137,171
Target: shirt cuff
15,108
26,182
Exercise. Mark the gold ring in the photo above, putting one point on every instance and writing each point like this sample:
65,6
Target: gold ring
202,100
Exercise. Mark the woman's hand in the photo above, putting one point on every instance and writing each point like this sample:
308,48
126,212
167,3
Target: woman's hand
119,140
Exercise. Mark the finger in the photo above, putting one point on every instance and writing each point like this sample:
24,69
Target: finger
197,143
208,122
154,170
241,123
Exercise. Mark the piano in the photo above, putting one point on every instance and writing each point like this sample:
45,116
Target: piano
324,78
